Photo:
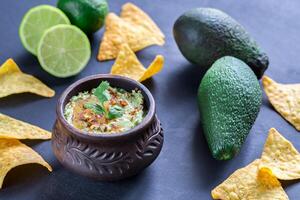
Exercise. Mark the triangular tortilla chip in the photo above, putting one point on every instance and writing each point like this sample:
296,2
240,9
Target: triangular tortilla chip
14,153
137,16
119,31
280,157
247,184
13,128
128,65
14,81
285,98
154,68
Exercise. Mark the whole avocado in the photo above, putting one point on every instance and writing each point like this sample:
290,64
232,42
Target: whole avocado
229,99
204,35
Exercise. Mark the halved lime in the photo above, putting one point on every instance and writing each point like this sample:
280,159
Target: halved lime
36,21
64,50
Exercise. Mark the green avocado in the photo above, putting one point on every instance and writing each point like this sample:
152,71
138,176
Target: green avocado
229,99
204,35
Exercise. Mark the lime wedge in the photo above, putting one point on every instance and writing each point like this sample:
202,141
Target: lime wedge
36,21
64,50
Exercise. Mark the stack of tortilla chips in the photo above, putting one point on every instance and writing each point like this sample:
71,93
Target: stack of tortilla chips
259,180
124,35
12,152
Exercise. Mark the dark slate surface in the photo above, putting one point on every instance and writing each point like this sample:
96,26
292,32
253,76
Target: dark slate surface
184,169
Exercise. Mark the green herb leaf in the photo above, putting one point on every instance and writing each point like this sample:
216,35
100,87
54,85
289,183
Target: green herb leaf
96,108
103,95
114,112
100,92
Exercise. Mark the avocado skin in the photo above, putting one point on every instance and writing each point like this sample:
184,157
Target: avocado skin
204,35
229,98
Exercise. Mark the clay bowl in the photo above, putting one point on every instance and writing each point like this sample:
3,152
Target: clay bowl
107,157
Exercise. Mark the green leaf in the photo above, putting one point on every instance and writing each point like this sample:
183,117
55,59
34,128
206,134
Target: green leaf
103,95
114,112
96,108
100,92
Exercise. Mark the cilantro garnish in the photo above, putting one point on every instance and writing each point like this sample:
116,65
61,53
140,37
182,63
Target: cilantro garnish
102,95
100,92
114,112
96,108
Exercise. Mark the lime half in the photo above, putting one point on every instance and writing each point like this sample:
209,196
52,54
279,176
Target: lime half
64,50
36,21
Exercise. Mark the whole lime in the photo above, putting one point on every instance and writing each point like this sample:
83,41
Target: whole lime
88,15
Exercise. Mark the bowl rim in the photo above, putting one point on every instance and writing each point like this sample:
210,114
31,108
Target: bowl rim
93,136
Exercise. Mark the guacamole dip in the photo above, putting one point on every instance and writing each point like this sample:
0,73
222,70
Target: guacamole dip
105,109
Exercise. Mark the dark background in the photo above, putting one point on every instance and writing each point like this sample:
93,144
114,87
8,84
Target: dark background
185,168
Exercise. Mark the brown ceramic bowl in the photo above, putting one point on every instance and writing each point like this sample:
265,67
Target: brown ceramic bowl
107,156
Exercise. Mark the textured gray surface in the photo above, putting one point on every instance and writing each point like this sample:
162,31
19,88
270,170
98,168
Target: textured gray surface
184,169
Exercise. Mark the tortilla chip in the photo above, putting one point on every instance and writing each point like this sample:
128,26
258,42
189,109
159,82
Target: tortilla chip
119,31
154,68
137,16
266,177
14,153
280,157
285,98
128,65
13,128
113,37
246,184
13,81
